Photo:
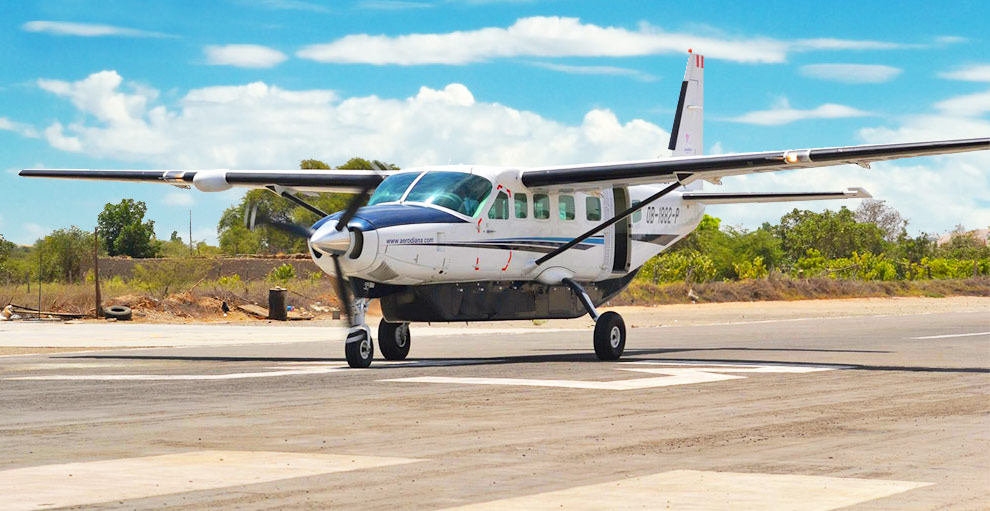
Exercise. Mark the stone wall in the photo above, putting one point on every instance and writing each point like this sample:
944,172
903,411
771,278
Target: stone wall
246,268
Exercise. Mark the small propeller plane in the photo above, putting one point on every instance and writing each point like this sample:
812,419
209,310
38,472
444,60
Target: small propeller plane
482,243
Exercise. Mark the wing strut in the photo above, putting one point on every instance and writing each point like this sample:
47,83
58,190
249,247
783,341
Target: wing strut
292,198
616,219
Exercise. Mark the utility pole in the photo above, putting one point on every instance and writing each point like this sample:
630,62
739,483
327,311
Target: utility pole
96,271
190,233
39,281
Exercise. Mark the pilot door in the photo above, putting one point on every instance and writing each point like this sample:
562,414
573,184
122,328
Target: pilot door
618,236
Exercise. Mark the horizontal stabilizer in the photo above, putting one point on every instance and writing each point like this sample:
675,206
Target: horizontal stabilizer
742,198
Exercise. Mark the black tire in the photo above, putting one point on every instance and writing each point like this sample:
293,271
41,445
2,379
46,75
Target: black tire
359,349
394,340
610,336
118,312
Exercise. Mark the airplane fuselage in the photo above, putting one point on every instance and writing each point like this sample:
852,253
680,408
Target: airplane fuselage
415,245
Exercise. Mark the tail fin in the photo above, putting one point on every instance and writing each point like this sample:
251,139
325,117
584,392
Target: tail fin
686,137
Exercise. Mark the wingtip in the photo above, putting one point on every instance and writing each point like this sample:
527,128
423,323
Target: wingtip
859,193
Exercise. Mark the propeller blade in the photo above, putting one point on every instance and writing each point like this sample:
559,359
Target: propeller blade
352,207
301,231
341,288
252,219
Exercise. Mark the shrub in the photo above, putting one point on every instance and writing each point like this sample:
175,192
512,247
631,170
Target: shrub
165,275
754,269
282,274
679,266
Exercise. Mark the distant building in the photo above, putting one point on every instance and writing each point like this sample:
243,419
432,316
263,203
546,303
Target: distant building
981,234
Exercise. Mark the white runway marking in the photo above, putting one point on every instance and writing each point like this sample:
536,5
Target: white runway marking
86,483
694,490
287,369
277,371
674,373
949,335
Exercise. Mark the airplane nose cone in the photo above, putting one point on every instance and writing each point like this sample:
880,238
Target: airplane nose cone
331,241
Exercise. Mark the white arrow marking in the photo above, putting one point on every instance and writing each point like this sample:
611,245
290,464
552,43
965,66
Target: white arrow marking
675,373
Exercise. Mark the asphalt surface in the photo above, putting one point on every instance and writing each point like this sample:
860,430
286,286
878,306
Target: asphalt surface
888,412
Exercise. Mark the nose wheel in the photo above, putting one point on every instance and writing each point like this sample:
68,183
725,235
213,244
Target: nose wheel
394,340
359,349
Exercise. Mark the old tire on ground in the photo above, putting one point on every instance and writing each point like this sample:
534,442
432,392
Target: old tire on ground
359,350
393,340
118,312
610,336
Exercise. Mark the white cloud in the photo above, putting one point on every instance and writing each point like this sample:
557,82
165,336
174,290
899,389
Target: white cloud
184,198
782,113
243,55
851,73
263,126
86,29
33,231
17,127
950,39
824,43
971,73
597,70
969,105
560,37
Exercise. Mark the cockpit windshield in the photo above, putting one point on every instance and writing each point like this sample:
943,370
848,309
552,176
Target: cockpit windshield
392,188
457,191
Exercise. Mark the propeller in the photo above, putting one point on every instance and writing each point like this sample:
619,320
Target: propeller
332,245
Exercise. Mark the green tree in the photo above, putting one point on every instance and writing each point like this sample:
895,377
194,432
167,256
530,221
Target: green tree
62,253
964,245
6,247
834,234
124,231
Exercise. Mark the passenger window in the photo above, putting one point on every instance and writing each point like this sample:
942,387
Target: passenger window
638,214
500,207
593,208
522,205
567,207
541,206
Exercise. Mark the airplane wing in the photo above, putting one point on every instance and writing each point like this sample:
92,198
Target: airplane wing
316,180
713,168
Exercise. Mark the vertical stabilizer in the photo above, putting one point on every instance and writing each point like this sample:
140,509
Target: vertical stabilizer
686,137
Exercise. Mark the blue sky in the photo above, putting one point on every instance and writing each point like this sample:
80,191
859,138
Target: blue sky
264,84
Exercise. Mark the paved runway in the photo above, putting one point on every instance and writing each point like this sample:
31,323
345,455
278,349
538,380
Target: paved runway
855,413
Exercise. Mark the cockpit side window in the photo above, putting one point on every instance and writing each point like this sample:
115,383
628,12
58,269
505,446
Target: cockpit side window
392,188
500,207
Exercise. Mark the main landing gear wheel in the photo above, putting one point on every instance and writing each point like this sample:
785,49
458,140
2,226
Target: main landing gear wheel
394,340
610,336
359,349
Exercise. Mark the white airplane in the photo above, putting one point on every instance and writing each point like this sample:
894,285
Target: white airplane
482,243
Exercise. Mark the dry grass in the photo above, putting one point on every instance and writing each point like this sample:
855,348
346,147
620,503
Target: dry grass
783,288
201,300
